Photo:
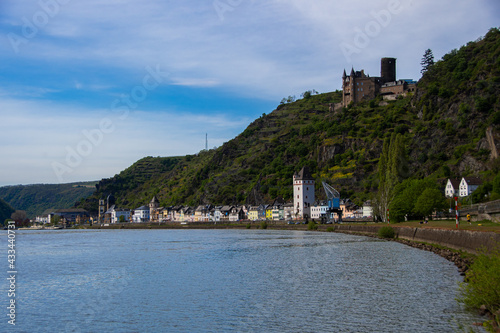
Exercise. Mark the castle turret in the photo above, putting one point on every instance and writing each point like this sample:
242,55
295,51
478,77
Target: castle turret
388,69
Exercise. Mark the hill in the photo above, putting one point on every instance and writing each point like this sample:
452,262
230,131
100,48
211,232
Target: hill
34,199
5,211
444,126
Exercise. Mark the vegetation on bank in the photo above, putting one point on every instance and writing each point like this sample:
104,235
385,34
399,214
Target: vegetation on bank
5,211
482,287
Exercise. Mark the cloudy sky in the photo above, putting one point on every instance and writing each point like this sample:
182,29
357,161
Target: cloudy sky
89,87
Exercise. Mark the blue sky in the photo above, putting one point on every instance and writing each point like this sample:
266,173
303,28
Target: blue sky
89,87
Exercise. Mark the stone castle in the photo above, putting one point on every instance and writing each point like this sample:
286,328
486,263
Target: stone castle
358,86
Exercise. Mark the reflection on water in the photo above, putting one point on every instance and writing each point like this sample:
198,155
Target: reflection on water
230,280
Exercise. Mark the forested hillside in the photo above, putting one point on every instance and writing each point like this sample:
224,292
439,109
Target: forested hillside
34,199
442,129
5,211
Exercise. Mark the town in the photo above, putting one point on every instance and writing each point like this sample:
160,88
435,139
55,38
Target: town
303,208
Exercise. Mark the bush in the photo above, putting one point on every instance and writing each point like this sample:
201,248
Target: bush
330,229
483,284
386,232
312,226
248,226
263,225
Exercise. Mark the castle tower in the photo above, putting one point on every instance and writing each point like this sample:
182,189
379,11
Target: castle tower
154,204
388,69
303,193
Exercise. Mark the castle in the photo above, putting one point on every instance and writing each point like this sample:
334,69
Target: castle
358,86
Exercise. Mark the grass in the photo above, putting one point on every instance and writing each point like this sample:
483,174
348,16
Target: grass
482,289
484,225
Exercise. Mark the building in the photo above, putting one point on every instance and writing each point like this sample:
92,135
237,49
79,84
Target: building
367,209
303,193
451,189
319,210
468,185
71,215
141,214
154,206
358,86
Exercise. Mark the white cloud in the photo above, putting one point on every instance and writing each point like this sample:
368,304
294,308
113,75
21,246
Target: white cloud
36,136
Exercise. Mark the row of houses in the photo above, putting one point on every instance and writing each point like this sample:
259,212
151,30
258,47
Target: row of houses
461,187
278,210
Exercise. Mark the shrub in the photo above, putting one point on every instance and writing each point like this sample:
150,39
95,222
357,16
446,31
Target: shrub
386,232
330,229
312,226
263,225
483,284
248,226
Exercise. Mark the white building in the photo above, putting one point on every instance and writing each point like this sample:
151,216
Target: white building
141,214
117,212
452,186
303,193
468,185
319,210
367,209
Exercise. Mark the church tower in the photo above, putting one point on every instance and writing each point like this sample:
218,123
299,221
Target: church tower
154,204
303,193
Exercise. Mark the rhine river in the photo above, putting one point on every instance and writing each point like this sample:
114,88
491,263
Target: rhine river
227,281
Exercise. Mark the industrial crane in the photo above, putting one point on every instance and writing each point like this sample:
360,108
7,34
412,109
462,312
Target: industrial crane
333,197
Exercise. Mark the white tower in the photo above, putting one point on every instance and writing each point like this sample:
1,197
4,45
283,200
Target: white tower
303,193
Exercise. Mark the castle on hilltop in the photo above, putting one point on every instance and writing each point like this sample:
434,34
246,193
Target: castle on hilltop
358,86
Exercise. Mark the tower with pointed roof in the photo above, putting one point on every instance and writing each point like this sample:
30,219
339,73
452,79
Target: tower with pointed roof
154,204
303,193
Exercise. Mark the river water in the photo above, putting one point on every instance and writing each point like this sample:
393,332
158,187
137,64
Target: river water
227,281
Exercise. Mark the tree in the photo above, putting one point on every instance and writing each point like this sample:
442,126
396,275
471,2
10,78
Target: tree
20,217
430,200
392,169
121,219
427,61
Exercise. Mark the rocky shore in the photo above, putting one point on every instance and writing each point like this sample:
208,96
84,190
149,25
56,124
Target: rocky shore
462,263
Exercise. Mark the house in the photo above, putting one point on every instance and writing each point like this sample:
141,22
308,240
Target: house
237,214
113,214
141,214
277,212
367,209
303,193
349,208
319,210
217,215
224,212
288,210
452,188
468,185
253,213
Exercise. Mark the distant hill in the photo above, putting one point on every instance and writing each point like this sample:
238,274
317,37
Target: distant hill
5,211
444,125
35,199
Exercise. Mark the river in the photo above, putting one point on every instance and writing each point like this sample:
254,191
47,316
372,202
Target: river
227,281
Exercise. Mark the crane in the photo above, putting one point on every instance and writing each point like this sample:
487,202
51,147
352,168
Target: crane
333,197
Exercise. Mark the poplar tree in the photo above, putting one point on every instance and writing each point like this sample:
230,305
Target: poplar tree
392,169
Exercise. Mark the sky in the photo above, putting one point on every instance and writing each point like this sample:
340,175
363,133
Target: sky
89,87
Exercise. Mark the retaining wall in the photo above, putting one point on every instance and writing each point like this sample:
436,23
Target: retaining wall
469,241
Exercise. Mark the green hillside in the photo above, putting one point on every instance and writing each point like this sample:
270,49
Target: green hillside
5,211
443,124
34,199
